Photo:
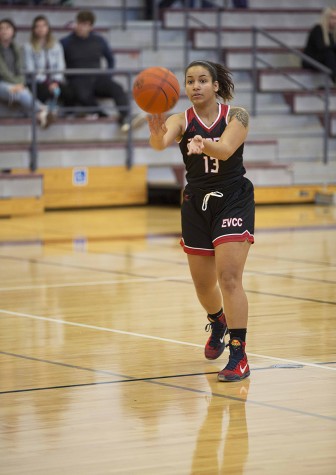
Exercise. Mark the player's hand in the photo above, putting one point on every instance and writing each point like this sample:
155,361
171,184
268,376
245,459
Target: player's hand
157,125
196,145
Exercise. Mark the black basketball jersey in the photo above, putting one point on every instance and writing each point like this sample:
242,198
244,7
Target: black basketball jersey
203,171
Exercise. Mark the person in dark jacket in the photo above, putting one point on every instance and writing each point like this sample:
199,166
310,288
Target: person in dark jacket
321,42
84,49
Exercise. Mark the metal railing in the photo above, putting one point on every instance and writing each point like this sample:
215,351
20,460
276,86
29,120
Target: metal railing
188,17
216,30
326,72
187,28
129,74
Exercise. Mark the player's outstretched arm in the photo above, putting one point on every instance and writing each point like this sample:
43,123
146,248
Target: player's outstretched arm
234,135
164,132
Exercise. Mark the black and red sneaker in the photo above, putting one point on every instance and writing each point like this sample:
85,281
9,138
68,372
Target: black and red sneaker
215,345
237,367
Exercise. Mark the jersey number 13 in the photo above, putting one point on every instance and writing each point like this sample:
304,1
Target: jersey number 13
211,164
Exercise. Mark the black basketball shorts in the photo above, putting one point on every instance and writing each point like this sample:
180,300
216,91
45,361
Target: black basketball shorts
216,217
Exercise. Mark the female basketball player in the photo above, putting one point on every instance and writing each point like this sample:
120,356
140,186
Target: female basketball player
218,205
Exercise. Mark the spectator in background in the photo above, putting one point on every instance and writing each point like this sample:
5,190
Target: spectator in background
149,5
321,42
187,3
240,3
43,53
12,84
85,49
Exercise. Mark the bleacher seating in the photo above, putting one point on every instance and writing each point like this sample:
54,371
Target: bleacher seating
285,137
21,194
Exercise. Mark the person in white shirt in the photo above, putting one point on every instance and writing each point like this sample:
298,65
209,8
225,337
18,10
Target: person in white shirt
44,55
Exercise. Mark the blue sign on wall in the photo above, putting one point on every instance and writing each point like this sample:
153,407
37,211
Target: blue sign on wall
80,176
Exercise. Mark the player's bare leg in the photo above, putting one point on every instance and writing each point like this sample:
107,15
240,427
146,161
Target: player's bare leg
230,262
204,275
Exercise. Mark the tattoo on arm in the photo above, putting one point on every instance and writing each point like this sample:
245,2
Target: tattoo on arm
240,114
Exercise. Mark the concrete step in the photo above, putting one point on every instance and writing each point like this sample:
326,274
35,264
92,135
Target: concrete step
241,58
164,177
310,173
283,126
264,18
242,38
269,175
88,4
267,162
267,103
14,111
310,102
63,130
274,103
63,16
138,34
114,153
173,57
260,173
20,186
290,4
283,79
333,125
309,149
14,130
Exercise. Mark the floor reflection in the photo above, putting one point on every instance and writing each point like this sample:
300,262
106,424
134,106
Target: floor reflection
222,444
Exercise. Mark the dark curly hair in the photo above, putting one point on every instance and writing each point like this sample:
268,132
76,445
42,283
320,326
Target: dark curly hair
219,73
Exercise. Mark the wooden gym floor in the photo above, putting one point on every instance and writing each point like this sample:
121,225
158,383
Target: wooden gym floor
101,362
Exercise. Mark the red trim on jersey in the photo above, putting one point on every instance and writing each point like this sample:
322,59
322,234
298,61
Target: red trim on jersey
246,236
223,111
196,251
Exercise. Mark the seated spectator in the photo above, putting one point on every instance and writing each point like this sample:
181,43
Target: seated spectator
84,49
12,84
149,7
187,3
43,53
321,42
240,3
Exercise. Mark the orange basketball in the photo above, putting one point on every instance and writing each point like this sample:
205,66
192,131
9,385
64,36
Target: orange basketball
156,90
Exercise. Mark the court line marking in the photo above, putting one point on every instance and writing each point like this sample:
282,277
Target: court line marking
323,265
150,279
119,375
155,380
136,280
183,388
150,337
36,261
